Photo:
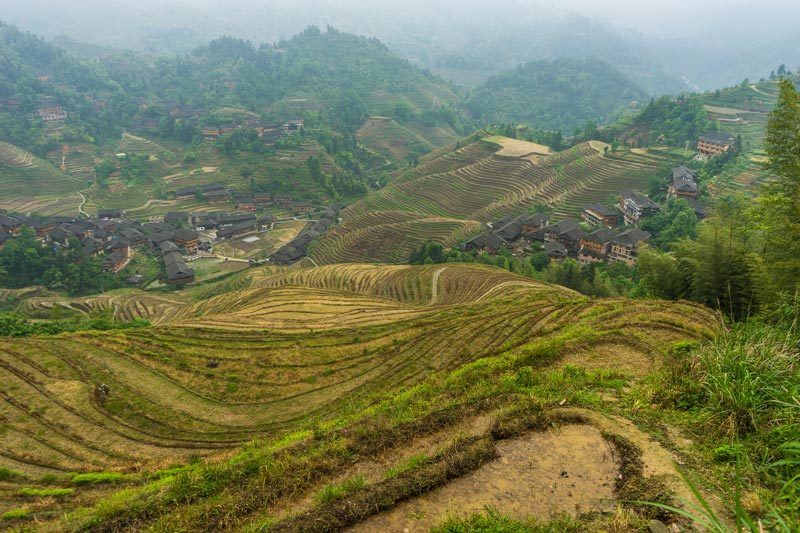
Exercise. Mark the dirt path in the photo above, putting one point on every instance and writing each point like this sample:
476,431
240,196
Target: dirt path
150,202
435,285
759,91
570,470
83,202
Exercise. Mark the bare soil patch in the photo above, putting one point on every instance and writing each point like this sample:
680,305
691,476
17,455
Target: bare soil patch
517,148
569,470
612,356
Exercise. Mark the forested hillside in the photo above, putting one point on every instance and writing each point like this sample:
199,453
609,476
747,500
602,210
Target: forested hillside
34,73
559,94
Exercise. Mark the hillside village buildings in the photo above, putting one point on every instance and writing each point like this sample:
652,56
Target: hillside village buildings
635,206
177,234
683,184
715,143
567,238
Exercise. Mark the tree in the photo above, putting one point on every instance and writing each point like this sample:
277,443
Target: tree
247,174
779,206
315,167
721,271
661,276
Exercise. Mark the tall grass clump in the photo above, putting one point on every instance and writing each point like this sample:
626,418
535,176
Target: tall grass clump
743,389
741,381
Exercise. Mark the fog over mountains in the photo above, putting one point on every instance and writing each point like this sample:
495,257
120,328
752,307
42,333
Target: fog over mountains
663,48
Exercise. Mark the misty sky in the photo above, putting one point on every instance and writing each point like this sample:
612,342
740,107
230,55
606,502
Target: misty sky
662,18
707,43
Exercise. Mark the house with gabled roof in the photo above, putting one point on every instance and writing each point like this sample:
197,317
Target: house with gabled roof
636,206
715,143
595,246
179,272
115,261
555,251
601,215
625,246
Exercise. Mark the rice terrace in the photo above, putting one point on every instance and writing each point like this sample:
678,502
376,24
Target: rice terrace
443,267
288,347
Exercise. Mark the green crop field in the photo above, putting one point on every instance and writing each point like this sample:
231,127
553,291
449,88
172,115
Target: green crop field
263,355
449,195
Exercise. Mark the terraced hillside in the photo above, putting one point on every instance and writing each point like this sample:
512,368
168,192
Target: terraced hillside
131,144
449,196
31,184
268,354
387,137
743,110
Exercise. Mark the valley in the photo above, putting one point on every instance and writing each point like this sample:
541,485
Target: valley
310,285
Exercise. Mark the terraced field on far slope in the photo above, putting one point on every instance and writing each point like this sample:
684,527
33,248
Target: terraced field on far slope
286,350
31,184
450,195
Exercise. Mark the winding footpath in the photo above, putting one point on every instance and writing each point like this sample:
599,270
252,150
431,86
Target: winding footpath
435,285
83,202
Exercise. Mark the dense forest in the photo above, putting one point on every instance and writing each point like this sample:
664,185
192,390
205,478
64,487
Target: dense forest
561,94
341,78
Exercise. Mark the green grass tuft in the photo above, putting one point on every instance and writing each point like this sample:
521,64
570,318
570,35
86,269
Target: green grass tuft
413,462
15,514
337,491
6,474
43,493
96,478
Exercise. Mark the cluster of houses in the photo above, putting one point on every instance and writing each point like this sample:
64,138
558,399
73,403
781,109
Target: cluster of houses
49,111
216,193
269,132
615,239
111,235
298,247
561,240
9,103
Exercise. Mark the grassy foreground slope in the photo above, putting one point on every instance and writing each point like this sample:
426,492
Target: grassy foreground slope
273,355
451,193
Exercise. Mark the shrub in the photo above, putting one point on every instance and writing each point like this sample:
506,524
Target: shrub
747,373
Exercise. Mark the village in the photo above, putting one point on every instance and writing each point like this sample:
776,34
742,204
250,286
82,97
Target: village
605,233
176,239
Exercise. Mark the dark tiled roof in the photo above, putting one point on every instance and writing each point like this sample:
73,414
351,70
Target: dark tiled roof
178,270
683,172
186,235
495,242
555,248
640,199
684,185
168,246
172,257
602,210
718,137
631,237
564,226
601,236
